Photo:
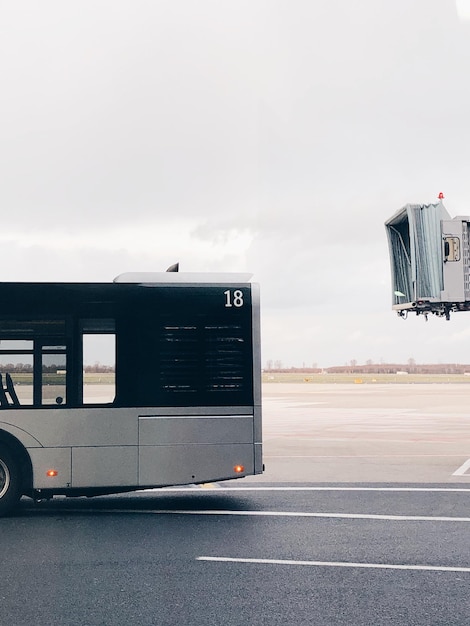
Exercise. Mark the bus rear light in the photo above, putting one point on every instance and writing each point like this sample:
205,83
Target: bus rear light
51,473
238,469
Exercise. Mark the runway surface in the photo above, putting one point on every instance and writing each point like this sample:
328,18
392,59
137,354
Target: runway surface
366,433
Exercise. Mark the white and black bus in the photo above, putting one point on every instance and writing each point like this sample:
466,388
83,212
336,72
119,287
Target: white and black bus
180,400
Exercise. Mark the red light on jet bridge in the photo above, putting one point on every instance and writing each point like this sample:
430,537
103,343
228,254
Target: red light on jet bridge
238,469
51,473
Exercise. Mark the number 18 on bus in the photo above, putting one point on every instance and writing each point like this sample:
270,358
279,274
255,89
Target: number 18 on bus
178,403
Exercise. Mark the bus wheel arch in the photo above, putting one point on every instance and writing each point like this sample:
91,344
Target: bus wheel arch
16,473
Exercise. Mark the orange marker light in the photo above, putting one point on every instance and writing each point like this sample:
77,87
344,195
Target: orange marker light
239,469
51,473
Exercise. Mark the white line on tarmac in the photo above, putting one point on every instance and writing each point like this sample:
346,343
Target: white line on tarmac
393,518
374,440
400,489
462,470
423,568
349,516
358,456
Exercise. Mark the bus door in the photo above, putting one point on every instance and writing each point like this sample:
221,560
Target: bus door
33,362
105,452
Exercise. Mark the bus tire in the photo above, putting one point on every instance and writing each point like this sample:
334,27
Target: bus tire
10,481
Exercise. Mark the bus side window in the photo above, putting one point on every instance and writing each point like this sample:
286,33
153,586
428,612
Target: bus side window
53,374
16,366
99,359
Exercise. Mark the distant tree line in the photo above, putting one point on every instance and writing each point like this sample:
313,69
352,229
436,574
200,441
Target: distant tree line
393,368
27,368
98,368
378,368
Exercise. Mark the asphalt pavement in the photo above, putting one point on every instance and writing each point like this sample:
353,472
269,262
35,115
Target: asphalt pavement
242,554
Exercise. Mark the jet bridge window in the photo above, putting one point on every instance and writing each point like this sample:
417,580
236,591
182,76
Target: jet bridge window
451,248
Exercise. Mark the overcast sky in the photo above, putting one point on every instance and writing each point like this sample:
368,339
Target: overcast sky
267,136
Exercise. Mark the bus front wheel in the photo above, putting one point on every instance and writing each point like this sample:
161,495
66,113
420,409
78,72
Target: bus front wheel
10,482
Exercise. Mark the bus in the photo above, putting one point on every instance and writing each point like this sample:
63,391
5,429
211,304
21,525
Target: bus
172,397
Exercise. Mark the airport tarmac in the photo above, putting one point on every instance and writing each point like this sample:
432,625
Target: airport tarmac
366,433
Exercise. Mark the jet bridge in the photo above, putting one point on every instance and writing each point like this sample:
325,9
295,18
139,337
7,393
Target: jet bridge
430,260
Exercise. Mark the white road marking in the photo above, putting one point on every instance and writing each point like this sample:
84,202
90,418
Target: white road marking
358,456
376,440
423,568
462,470
392,518
400,489
182,488
349,516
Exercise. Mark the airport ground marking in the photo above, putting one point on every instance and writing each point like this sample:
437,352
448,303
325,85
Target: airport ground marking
238,513
463,469
251,513
422,568
359,456
398,489
306,514
375,440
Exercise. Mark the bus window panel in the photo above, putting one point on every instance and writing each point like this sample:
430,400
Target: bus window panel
228,364
207,363
17,345
192,360
54,373
29,329
180,368
20,368
99,378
